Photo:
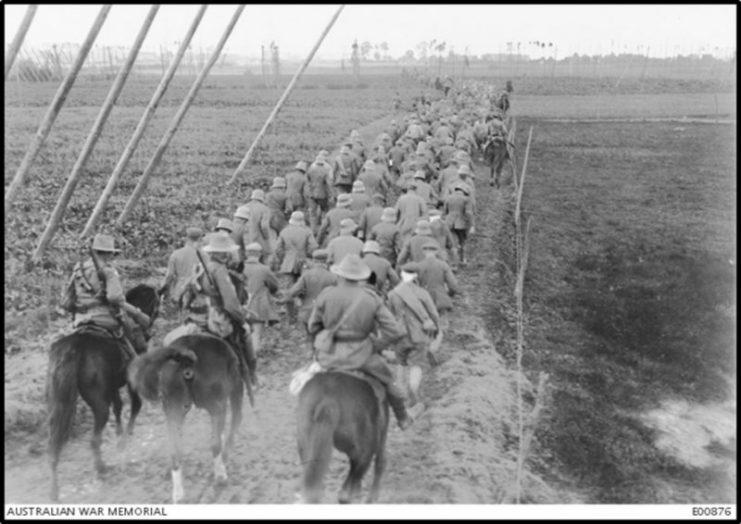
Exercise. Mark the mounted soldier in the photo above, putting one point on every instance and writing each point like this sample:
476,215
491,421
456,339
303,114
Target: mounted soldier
95,297
363,326
225,317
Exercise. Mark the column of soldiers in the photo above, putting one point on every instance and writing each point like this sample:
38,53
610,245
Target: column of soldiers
391,221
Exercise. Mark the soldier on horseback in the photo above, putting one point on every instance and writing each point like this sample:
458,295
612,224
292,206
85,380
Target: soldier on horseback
355,314
225,316
95,298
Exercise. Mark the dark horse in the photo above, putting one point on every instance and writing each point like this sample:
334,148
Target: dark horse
200,370
341,411
496,153
90,364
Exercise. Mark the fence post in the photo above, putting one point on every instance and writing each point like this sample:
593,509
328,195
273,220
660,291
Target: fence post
15,46
282,100
92,138
143,122
141,186
55,107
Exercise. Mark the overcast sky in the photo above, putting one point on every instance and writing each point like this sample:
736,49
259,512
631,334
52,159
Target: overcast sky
590,29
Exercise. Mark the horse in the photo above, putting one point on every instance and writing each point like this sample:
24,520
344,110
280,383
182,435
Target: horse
91,365
340,410
200,370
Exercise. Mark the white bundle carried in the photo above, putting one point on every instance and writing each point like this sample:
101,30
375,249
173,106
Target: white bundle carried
301,376
189,328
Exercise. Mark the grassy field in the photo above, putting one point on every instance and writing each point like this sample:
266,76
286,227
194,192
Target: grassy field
631,303
630,292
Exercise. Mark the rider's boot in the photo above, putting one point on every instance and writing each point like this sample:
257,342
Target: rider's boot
396,401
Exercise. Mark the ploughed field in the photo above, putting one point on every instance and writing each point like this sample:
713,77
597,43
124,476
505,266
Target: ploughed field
629,297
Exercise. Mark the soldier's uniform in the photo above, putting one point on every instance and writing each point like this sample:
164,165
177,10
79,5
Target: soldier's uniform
436,276
413,306
297,188
388,236
411,250
258,224
319,181
368,328
372,178
359,200
345,170
330,227
382,272
411,208
459,216
345,243
225,316
425,190
308,287
108,310
295,244
442,234
180,267
371,216
280,207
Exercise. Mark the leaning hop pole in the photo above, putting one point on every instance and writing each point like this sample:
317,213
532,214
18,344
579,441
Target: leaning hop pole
142,126
61,95
15,46
159,153
283,98
92,138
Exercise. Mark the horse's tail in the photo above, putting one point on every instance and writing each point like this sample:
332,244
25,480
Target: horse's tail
61,393
318,447
143,374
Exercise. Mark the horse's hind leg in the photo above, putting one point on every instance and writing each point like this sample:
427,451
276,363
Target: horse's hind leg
174,428
236,407
378,469
100,409
218,423
117,408
136,405
351,486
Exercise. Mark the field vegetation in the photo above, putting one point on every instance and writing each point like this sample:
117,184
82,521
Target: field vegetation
630,291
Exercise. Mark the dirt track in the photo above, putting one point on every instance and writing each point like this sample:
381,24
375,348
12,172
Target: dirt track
460,451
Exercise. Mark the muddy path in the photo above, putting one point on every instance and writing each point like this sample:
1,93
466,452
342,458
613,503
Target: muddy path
459,451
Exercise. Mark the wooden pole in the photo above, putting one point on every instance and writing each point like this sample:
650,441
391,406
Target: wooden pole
15,46
141,127
283,98
141,186
521,182
54,108
92,138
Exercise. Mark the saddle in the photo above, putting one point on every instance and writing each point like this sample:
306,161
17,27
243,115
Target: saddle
117,336
303,375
